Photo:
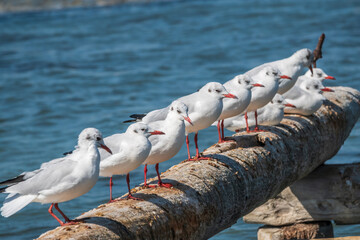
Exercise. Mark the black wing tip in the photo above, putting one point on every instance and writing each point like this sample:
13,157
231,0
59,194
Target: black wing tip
13,180
3,189
129,121
67,153
137,117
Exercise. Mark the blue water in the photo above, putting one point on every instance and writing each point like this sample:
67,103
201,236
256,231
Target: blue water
62,71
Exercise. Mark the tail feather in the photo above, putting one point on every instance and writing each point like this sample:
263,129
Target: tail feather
17,179
3,189
15,203
137,117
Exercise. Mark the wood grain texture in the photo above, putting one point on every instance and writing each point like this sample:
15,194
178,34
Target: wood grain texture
211,195
331,192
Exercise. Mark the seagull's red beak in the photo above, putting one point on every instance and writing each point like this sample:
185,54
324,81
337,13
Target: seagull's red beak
229,95
105,148
286,77
258,85
330,78
188,120
157,133
289,105
327,90
311,70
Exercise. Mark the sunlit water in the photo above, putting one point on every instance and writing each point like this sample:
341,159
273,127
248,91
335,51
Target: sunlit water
62,71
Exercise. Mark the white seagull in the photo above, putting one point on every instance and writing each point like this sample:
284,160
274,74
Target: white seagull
130,149
59,180
292,67
307,96
269,115
318,73
240,86
165,147
268,77
204,107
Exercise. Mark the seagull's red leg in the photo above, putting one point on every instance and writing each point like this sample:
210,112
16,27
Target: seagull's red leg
222,129
128,183
188,147
160,183
111,185
145,172
246,121
197,157
256,124
219,131
54,216
62,214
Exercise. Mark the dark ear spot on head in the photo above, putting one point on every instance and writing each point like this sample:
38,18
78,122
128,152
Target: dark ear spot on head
209,90
88,137
171,108
307,88
135,131
271,101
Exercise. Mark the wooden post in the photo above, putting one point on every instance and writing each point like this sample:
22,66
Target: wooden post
211,195
331,192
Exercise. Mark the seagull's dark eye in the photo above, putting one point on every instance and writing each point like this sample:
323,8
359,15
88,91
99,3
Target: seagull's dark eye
247,81
217,90
178,111
98,139
171,108
143,129
308,56
279,101
319,74
316,86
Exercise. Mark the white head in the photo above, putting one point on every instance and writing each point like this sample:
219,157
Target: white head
90,136
269,74
244,81
279,102
180,110
142,129
319,74
216,90
304,56
312,85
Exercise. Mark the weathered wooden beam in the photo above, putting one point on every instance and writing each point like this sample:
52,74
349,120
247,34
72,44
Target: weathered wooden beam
211,195
308,230
331,192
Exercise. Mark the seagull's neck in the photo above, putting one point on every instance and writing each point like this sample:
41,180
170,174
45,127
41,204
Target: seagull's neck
173,121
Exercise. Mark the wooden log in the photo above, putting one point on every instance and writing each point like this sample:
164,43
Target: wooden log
211,195
308,230
331,192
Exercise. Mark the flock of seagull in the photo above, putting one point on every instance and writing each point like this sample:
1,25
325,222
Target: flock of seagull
268,90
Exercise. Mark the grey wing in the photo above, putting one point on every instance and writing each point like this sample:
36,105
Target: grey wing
156,115
46,178
113,142
294,93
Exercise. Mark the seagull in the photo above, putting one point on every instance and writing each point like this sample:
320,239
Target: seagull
165,147
269,115
292,67
59,180
130,150
307,96
204,107
318,73
240,86
268,77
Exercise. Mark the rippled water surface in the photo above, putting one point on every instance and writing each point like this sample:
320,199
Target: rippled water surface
62,71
